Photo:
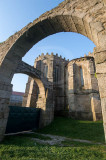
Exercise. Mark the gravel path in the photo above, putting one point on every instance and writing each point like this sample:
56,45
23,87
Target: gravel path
54,140
57,140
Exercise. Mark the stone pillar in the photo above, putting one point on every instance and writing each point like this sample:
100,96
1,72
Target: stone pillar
100,59
47,108
95,97
70,89
5,93
96,107
31,95
50,70
49,114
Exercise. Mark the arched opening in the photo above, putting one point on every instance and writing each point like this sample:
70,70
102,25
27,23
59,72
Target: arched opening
18,89
21,82
57,68
77,19
35,94
25,109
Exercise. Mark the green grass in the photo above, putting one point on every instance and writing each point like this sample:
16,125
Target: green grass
76,129
22,147
35,135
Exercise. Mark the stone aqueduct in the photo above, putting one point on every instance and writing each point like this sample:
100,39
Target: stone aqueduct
86,17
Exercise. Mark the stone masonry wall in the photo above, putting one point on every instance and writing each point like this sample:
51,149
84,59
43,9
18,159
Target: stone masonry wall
83,98
50,63
59,83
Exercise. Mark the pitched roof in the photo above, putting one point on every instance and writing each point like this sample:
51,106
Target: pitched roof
17,93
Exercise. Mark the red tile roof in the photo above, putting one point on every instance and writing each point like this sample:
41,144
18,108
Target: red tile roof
17,93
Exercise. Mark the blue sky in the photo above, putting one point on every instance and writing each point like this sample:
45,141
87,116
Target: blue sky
15,14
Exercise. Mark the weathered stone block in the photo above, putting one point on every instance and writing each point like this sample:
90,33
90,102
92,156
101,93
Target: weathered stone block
102,39
101,68
100,57
102,84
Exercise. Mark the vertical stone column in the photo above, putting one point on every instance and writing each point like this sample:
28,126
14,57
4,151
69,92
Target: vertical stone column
70,89
95,98
49,113
50,70
62,85
100,59
47,108
96,107
29,99
5,93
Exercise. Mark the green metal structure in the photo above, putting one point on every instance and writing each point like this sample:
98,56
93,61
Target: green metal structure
22,119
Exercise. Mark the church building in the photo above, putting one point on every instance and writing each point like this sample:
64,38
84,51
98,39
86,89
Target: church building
74,83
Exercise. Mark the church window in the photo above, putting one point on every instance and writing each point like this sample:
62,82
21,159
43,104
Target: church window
46,71
56,74
81,75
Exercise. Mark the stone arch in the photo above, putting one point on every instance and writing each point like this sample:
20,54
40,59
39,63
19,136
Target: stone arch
42,98
39,83
85,17
35,74
41,87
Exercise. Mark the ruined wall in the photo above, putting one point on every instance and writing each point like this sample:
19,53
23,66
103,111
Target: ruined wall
39,93
59,83
34,96
82,91
75,87
53,68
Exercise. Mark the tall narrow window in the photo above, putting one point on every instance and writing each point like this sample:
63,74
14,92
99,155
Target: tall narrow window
46,71
82,79
56,74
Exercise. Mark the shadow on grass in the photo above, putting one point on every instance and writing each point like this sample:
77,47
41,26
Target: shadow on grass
76,129
22,140
66,127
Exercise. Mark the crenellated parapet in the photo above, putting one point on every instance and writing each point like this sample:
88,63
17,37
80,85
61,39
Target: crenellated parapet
49,56
90,54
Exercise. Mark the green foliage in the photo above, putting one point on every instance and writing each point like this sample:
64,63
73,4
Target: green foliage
95,75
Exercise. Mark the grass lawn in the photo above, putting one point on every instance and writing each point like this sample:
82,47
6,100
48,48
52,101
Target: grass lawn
22,147
77,129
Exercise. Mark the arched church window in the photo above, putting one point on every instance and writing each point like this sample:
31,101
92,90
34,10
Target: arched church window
81,75
56,74
46,71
